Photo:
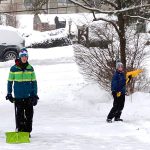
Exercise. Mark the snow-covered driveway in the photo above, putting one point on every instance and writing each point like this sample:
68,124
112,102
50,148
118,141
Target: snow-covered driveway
71,114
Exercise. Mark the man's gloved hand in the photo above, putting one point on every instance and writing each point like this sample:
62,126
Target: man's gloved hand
129,77
118,94
10,98
34,100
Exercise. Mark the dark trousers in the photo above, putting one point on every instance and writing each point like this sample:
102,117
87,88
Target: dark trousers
117,108
24,115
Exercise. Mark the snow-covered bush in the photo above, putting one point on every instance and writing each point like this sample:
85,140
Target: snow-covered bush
51,43
46,39
99,64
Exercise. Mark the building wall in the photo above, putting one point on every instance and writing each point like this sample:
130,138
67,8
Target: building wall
63,7
55,7
12,5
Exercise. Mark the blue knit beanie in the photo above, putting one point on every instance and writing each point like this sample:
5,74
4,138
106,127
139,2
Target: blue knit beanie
23,52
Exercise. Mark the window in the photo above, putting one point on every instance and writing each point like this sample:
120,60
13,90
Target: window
28,3
61,1
68,2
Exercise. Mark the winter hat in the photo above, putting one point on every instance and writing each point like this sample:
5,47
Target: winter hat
119,64
23,52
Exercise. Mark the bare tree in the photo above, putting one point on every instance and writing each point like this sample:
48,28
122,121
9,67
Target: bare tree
99,64
121,9
10,18
37,5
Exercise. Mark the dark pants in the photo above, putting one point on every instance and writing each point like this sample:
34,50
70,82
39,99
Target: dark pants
24,115
117,108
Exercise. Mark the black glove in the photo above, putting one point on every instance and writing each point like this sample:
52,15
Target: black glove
114,93
129,77
35,100
10,98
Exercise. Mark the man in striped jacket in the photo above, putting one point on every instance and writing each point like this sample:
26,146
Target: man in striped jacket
22,81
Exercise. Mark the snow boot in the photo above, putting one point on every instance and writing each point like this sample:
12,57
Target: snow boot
118,119
109,120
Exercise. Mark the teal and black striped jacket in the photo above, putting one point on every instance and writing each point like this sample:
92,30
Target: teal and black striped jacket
23,81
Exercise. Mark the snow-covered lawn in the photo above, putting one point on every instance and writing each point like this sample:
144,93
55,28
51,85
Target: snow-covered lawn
71,113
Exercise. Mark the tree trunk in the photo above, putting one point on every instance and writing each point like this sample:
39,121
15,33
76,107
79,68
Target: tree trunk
122,38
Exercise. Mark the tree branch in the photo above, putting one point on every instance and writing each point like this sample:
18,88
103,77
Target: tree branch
140,17
90,8
109,12
130,8
88,4
111,22
111,4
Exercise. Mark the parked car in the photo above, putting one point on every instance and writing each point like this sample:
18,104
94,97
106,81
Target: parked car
10,43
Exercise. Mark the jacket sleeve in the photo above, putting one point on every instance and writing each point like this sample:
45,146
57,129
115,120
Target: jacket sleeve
34,84
114,83
118,83
10,82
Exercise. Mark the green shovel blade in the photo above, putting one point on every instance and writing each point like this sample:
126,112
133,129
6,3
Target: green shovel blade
17,137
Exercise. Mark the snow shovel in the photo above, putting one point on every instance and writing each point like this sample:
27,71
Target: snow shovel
17,137
133,74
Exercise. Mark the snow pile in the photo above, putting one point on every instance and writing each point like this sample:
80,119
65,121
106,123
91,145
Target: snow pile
71,113
93,94
46,39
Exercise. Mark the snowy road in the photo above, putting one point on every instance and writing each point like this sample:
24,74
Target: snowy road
71,114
